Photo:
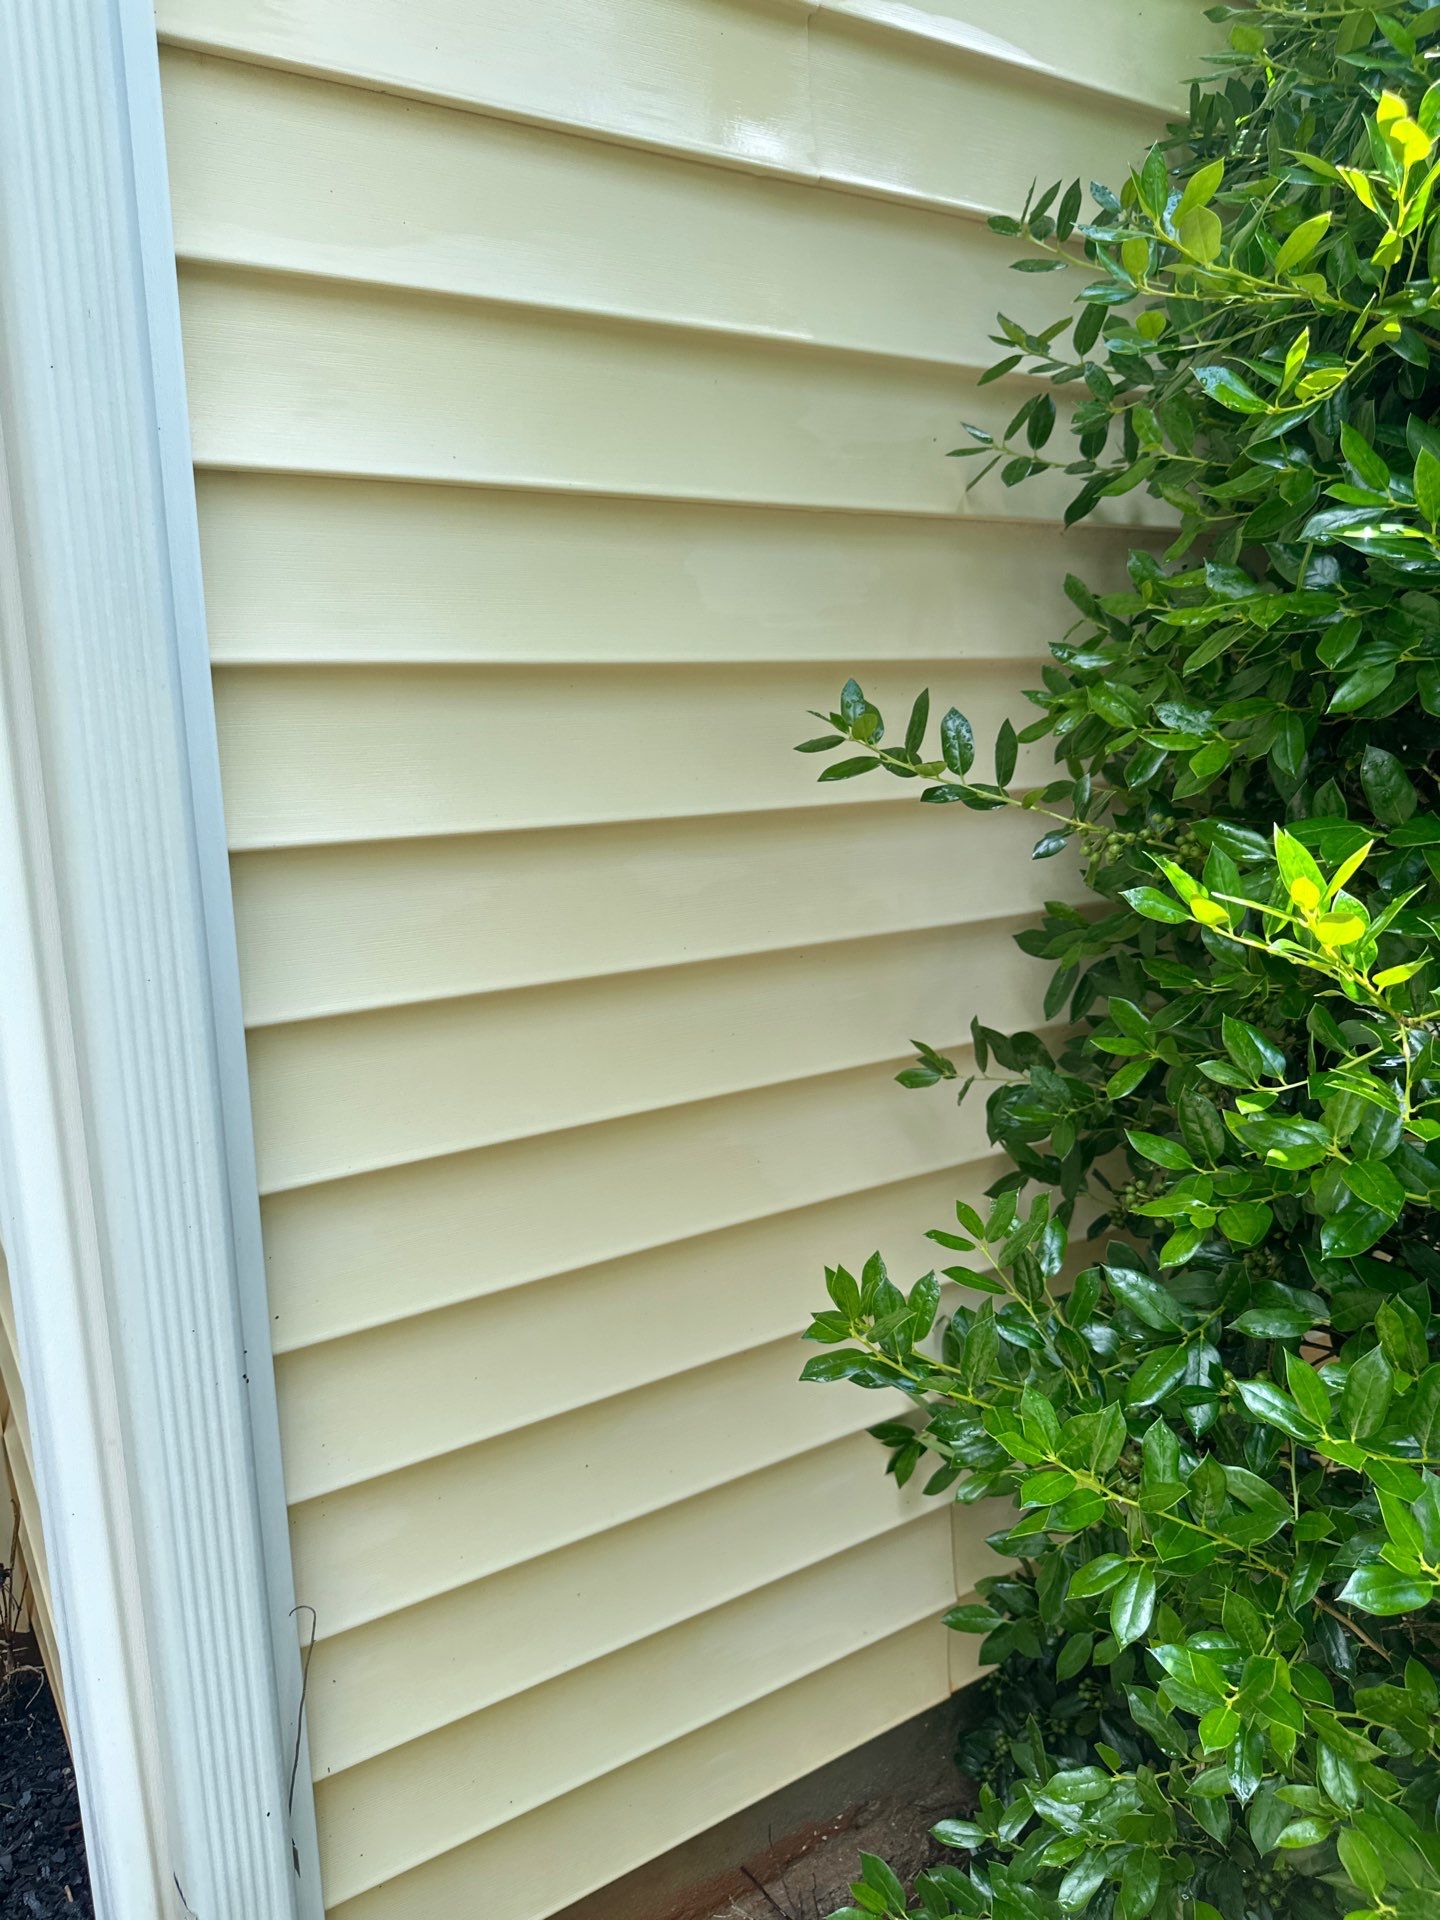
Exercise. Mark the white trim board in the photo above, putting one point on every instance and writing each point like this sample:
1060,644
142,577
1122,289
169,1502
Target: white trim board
131,1216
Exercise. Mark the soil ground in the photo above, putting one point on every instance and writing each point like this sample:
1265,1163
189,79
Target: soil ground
42,1854
793,1855
809,1876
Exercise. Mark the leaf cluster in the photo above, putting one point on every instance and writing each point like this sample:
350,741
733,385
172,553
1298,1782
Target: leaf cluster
1191,1342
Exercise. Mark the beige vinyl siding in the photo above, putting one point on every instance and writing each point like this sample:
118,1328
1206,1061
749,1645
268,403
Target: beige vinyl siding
571,385
22,1547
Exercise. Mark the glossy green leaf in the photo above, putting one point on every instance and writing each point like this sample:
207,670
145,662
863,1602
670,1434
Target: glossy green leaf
1187,1379
1381,1590
1132,1605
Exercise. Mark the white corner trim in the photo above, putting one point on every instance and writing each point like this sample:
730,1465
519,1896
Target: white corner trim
130,1209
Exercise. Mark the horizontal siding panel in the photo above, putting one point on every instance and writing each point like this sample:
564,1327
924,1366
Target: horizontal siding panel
381,1547
720,77
18,1468
336,1097
9,1519
781,86
280,172
538,1863
342,929
1136,49
10,1342
13,1392
312,756
314,377
22,1544
22,1476
351,1254
915,114
303,569
391,1814
354,1409
497,1637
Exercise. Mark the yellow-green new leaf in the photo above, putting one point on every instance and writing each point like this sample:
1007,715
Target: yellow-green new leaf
1302,242
1409,141
1397,976
1199,233
1339,929
1201,188
1361,186
1348,868
1295,359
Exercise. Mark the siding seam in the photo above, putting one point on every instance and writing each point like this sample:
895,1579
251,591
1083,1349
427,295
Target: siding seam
649,496
217,263
894,930
697,152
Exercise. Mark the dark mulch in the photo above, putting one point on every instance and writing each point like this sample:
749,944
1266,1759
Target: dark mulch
42,1854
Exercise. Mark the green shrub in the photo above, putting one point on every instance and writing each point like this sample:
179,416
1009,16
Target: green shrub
1223,1435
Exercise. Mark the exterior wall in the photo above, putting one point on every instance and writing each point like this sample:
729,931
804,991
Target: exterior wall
22,1549
570,383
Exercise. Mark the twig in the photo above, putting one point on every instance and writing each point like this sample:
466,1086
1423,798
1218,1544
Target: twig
766,1895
